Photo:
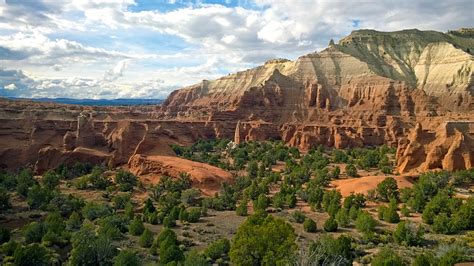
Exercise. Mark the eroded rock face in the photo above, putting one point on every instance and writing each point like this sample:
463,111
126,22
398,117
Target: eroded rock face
206,177
370,89
450,147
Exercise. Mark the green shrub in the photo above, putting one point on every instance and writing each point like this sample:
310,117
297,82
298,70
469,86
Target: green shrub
93,210
298,216
408,234
126,180
136,227
330,225
4,199
351,170
217,248
263,240
309,225
128,258
50,179
34,232
241,209
387,257
146,239
33,254
387,189
4,235
342,217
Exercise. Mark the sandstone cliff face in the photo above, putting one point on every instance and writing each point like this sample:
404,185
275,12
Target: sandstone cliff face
369,89
451,147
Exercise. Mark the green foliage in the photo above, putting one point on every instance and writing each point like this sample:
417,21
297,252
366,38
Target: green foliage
424,259
335,172
339,156
263,240
34,232
97,178
169,222
365,223
261,203
136,227
332,201
127,258
32,254
387,189
309,225
405,211
38,196
217,249
190,196
330,225
4,235
408,234
298,216
387,257
74,222
146,239
351,170
51,179
194,214
121,200
241,209
4,199
126,180
327,249
25,180
193,258
76,170
342,217
90,249
389,214
93,210
167,242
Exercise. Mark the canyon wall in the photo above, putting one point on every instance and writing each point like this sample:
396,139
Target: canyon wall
406,89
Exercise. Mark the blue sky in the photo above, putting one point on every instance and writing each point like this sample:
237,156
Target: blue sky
146,49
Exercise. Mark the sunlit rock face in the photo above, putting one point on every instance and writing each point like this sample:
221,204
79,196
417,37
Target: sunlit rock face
371,88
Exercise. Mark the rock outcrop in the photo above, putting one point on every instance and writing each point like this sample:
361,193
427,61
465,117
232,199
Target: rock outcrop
369,89
450,147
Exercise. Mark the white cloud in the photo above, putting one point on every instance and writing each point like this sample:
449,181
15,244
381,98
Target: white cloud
10,87
215,39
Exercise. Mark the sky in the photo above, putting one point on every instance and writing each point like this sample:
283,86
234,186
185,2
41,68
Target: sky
106,49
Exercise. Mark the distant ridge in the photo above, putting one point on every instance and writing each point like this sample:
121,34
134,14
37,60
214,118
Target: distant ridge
96,102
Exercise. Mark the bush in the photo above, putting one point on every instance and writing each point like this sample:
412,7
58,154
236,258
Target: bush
328,250
74,222
51,179
330,225
387,257
241,210
342,217
146,239
136,227
351,170
4,235
194,215
33,254
298,216
190,196
217,248
263,240
365,223
126,180
38,196
34,232
193,258
169,222
4,199
407,234
387,189
93,210
128,258
121,200
309,225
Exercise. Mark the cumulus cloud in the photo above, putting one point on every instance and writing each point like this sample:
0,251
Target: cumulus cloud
49,41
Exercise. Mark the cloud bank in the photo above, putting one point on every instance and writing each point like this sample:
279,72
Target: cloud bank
127,49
